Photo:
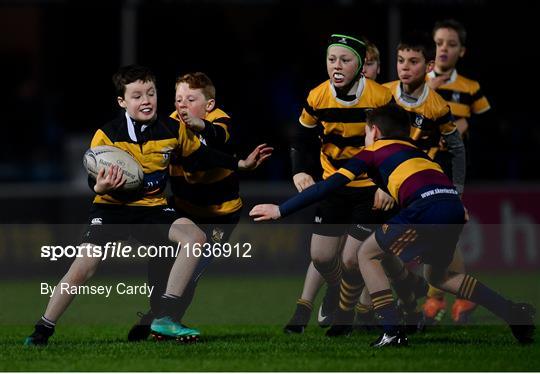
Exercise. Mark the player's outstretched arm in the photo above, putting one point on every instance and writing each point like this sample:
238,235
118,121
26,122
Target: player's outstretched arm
265,212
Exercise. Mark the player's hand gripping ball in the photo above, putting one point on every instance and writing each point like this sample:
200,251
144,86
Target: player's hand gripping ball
105,156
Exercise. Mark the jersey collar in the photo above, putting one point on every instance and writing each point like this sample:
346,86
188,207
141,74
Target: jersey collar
408,104
357,94
452,79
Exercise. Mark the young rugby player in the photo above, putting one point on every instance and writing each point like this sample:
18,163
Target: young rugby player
431,121
210,198
144,215
465,98
337,108
427,227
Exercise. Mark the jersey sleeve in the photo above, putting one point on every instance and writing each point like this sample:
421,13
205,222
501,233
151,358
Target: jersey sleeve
188,142
308,117
312,194
100,138
217,131
357,165
480,103
445,122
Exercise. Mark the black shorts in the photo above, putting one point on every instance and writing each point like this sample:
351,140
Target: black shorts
147,225
349,210
218,229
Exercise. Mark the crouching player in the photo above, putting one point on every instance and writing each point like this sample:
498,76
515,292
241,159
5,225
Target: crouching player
144,215
427,228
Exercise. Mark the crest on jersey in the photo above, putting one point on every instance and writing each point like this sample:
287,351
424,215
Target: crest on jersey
166,153
384,228
419,119
455,97
217,234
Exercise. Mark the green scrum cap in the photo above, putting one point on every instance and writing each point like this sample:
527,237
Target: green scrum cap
356,46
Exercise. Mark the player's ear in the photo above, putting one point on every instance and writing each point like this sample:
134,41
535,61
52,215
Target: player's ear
376,132
121,102
462,52
210,105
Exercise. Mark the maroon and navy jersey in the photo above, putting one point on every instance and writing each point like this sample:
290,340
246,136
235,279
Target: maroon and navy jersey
402,169
395,165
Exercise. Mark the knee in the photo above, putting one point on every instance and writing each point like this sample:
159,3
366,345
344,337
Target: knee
198,236
82,270
321,257
184,230
350,260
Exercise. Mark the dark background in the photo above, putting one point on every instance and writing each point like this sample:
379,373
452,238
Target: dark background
58,57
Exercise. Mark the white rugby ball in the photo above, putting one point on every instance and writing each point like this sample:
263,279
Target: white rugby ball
104,156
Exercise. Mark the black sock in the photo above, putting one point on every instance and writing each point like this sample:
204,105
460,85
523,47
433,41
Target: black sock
386,311
45,326
473,290
305,304
169,305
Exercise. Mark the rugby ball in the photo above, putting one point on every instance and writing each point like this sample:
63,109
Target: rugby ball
104,156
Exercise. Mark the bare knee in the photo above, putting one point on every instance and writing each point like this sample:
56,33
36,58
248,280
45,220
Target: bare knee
320,257
184,230
82,269
350,253
324,249
370,250
350,260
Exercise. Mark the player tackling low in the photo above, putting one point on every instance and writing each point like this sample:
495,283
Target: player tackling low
427,228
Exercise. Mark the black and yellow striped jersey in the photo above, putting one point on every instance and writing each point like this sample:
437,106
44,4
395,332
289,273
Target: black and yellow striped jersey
342,123
463,95
431,117
152,146
206,192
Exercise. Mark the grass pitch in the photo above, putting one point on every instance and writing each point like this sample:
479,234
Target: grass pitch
241,322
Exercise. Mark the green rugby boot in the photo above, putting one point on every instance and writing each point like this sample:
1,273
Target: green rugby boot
166,329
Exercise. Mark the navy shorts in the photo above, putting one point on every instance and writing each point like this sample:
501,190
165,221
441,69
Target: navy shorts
349,210
426,231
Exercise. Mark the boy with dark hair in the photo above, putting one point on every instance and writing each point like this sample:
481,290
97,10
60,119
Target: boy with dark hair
431,121
431,114
143,215
427,227
210,198
465,98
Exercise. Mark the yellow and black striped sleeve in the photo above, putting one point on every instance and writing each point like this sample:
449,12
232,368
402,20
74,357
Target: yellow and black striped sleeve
217,131
197,156
480,103
188,142
445,122
308,117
